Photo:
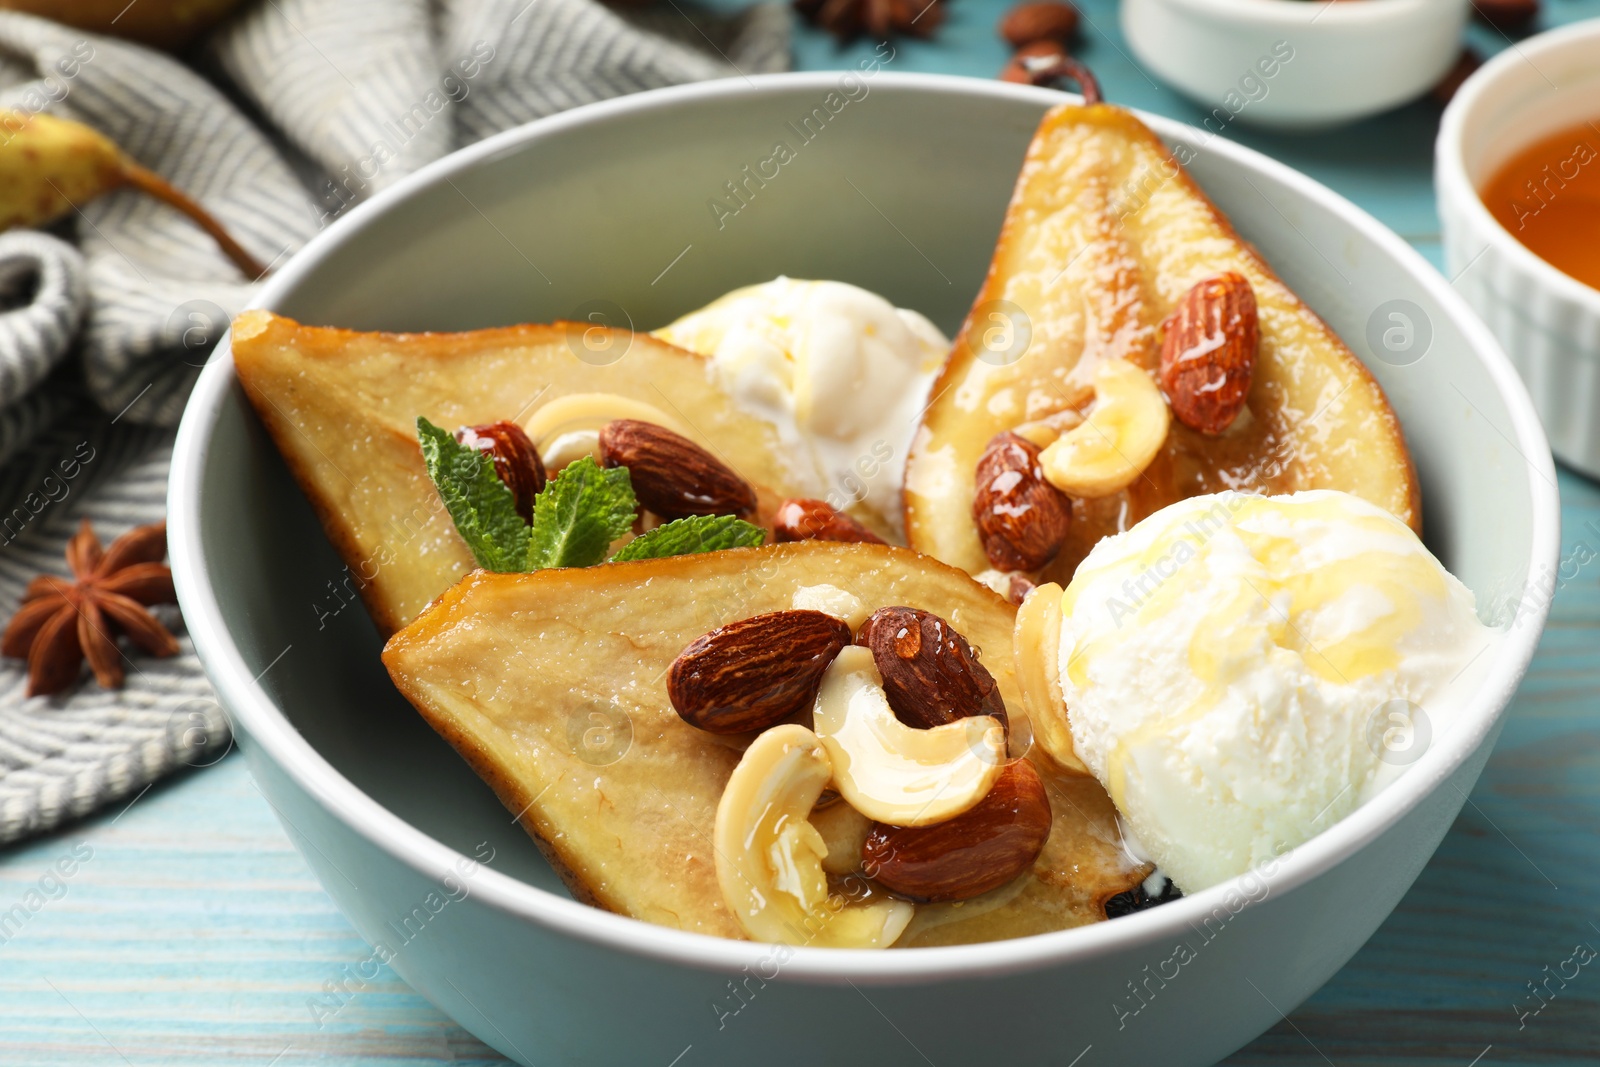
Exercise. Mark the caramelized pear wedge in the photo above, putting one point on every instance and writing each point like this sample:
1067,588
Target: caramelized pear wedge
552,685
342,408
1104,236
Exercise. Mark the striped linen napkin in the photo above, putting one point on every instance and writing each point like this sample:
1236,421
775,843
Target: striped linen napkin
279,122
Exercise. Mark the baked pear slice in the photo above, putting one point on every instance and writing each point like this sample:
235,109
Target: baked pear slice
1105,234
552,685
342,407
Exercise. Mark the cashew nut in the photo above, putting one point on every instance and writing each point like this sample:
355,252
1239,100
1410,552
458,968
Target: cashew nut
1114,445
834,601
1036,645
568,427
769,856
844,830
894,773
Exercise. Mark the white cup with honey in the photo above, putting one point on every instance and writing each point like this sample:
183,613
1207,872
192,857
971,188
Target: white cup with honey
1517,171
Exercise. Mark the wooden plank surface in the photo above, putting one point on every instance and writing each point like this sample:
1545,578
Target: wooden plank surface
185,929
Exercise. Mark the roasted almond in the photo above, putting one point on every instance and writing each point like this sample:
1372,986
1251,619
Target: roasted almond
803,519
931,675
1022,519
1041,20
756,672
979,850
516,461
1209,353
673,476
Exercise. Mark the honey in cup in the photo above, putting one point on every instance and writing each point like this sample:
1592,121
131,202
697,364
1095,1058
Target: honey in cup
1548,197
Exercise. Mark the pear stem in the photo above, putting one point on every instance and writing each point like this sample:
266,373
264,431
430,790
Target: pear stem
1067,67
155,185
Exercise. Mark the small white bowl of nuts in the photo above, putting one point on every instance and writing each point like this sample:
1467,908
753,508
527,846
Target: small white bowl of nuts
1296,63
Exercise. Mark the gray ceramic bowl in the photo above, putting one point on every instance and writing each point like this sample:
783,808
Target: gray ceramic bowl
901,190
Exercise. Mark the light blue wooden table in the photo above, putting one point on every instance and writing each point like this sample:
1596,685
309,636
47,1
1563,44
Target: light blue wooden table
189,931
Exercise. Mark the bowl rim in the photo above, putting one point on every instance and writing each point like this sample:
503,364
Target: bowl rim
268,728
1450,165
1298,14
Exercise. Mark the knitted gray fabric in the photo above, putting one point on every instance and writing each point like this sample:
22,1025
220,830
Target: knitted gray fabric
100,344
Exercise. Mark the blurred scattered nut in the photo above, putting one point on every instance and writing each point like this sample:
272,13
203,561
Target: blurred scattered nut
1027,67
1040,20
848,19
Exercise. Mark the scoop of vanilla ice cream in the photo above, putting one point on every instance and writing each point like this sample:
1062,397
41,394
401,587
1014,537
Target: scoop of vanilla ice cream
1236,670
842,373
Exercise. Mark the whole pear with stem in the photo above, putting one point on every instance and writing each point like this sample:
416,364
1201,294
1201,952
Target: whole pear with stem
51,166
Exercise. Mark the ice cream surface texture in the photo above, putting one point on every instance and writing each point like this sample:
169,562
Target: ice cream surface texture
1241,671
840,371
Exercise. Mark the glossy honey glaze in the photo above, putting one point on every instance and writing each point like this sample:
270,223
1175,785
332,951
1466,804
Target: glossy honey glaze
1548,197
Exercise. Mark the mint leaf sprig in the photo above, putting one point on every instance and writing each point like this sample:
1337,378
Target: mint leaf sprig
483,507
579,514
576,516
697,533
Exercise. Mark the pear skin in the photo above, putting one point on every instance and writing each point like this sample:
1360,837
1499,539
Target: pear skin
48,165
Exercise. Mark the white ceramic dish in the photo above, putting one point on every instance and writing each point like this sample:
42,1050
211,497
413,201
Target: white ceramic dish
599,203
1548,321
1300,64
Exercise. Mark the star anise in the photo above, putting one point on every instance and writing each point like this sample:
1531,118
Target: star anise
846,19
61,622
